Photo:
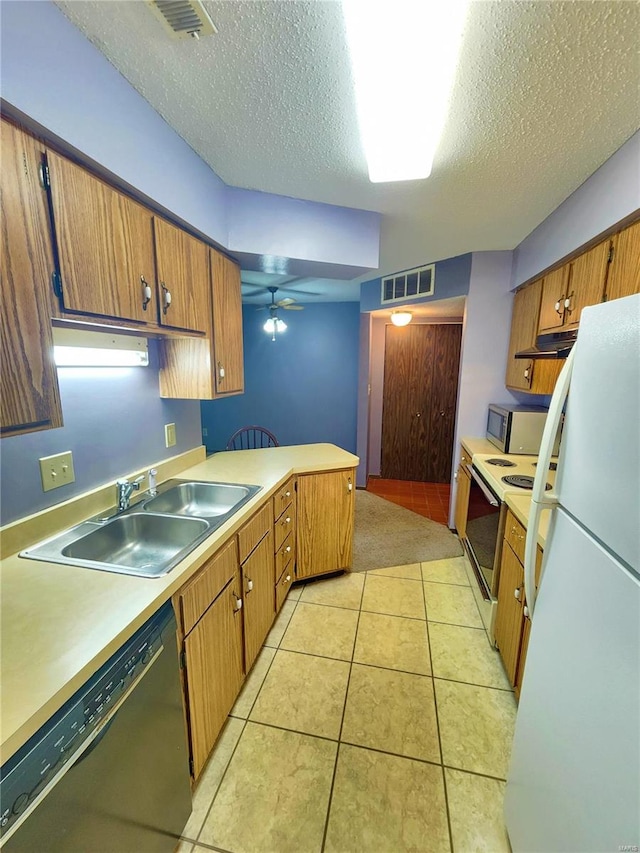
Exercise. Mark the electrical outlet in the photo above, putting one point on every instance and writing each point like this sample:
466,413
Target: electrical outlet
205,432
57,471
169,435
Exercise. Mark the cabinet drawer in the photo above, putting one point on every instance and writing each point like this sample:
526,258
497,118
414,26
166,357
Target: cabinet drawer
284,554
285,525
255,530
515,534
283,498
284,585
196,596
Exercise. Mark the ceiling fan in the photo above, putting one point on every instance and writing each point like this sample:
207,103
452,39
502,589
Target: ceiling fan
274,325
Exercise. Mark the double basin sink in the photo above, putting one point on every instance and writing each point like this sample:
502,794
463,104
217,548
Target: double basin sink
151,537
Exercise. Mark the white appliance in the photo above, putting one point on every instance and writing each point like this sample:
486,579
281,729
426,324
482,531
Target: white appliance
574,779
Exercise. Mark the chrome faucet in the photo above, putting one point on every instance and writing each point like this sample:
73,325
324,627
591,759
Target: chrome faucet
125,490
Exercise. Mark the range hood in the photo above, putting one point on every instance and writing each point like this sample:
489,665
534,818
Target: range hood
552,345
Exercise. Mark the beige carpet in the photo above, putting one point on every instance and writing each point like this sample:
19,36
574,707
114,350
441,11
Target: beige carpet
389,535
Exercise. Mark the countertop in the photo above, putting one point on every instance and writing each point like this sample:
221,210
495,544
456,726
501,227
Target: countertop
59,624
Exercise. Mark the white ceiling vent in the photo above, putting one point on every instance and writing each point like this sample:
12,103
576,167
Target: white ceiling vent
183,18
409,284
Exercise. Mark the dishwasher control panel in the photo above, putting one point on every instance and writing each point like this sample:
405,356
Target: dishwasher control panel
80,723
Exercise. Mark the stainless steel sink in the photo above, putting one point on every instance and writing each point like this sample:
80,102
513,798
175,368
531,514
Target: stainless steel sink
151,537
144,543
201,500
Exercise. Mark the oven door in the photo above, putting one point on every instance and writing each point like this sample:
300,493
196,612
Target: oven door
483,534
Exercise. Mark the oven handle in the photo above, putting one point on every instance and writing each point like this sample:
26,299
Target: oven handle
486,491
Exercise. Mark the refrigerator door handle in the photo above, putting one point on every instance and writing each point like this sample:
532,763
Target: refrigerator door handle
540,498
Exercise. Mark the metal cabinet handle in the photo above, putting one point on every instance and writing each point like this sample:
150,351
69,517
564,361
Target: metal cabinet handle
146,293
166,297
560,305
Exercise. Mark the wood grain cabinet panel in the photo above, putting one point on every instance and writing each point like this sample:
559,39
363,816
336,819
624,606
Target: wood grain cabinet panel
324,524
462,500
586,282
105,246
214,671
227,325
196,596
259,604
30,397
183,272
624,270
524,330
285,525
555,290
509,616
254,530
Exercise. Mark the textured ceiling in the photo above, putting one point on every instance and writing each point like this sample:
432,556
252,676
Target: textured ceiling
545,92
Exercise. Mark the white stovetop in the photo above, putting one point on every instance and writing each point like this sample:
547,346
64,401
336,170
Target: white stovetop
493,474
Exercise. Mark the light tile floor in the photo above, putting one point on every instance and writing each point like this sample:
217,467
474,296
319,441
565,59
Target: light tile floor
376,719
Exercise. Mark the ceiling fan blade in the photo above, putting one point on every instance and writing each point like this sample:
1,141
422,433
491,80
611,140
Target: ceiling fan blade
292,307
286,301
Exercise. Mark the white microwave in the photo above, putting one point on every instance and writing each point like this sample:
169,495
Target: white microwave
517,429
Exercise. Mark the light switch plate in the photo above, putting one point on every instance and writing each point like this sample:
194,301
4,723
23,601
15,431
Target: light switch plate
57,471
169,435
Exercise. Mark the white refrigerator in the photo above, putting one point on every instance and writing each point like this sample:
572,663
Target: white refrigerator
574,779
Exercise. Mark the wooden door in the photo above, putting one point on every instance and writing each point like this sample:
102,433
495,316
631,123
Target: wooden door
227,325
324,523
419,401
509,616
462,501
214,673
624,270
586,284
554,292
259,604
524,330
105,246
30,397
183,273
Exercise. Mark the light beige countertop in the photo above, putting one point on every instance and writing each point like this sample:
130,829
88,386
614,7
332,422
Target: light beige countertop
59,623
479,445
520,505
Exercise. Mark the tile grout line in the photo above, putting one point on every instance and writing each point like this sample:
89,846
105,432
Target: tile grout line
435,705
344,709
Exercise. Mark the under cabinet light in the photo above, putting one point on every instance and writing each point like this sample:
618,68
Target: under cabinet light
80,348
403,58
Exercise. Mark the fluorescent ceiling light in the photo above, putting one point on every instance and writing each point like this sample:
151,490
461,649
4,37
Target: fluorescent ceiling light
79,348
404,57
401,318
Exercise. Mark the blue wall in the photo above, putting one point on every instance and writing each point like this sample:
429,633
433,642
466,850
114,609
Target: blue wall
451,279
113,422
303,387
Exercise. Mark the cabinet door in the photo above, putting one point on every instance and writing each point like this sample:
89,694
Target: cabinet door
105,245
183,278
524,329
526,631
509,616
554,293
324,522
227,325
462,501
214,673
586,283
29,382
259,603
624,270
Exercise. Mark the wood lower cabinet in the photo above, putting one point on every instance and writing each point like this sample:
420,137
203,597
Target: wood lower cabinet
325,510
29,394
463,492
105,246
259,605
512,626
184,292
624,270
214,671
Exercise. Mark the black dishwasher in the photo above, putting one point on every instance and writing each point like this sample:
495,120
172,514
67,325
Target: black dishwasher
109,772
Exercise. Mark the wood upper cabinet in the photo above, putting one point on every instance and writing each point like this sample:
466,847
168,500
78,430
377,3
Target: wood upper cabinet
30,398
325,509
571,288
524,330
259,602
214,671
624,270
105,246
183,278
227,325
